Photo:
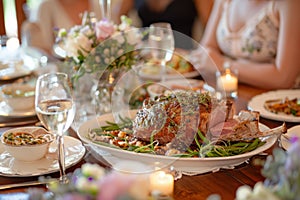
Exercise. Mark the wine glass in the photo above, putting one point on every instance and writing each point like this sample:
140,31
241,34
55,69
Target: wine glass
105,6
161,42
55,108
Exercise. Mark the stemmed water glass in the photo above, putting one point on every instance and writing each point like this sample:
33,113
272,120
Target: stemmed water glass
55,108
105,6
161,42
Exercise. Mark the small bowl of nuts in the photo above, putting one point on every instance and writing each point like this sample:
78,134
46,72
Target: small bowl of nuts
27,143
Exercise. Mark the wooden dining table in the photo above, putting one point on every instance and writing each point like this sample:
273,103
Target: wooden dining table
223,182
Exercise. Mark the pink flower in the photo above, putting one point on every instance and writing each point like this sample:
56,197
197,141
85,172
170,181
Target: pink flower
293,156
114,185
104,29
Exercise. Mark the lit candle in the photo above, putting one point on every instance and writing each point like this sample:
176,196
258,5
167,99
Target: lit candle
228,82
162,182
12,44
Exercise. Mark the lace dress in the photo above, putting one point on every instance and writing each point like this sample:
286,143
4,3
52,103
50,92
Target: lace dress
256,40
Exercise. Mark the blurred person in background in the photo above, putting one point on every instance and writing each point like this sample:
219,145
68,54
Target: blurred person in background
39,30
188,17
259,38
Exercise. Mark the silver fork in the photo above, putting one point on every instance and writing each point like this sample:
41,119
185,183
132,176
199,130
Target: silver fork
28,183
17,123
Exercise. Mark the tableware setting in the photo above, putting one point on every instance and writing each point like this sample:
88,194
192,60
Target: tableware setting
17,100
286,139
258,103
18,63
162,44
27,143
13,69
55,108
19,97
9,122
151,71
11,167
7,111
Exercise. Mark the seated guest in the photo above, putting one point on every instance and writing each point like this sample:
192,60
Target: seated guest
182,15
52,15
259,38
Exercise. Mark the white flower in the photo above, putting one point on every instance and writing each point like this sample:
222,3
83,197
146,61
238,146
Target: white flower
133,36
74,30
118,37
92,170
243,192
125,23
86,30
259,192
83,184
62,32
77,44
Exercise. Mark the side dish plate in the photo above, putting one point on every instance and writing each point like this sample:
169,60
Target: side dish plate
13,168
257,104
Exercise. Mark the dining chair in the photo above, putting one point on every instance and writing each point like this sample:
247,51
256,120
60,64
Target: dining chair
2,26
20,15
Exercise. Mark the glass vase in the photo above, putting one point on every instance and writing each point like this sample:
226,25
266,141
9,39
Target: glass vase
109,93
105,6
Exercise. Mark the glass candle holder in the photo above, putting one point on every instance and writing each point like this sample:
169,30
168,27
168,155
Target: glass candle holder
227,82
162,184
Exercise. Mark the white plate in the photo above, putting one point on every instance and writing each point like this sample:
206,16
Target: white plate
155,89
294,131
14,168
20,63
257,104
156,76
14,72
6,111
187,165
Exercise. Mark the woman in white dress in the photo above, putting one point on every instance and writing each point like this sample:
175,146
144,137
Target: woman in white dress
260,38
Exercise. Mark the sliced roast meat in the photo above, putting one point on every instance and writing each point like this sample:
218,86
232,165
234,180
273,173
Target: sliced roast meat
178,117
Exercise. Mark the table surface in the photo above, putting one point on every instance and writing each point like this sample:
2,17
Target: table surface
224,182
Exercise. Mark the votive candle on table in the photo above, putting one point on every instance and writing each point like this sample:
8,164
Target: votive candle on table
227,82
162,182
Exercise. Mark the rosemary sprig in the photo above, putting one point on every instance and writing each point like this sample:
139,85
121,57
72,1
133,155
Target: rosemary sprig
112,126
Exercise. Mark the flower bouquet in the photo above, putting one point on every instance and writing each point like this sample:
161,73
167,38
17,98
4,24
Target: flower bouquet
103,51
282,173
92,181
95,46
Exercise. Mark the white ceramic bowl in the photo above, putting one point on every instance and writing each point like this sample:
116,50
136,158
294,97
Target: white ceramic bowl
23,149
19,97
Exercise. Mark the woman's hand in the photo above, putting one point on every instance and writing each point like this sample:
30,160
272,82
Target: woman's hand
206,60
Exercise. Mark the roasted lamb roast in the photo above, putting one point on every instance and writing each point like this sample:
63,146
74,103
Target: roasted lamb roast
179,115
176,118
